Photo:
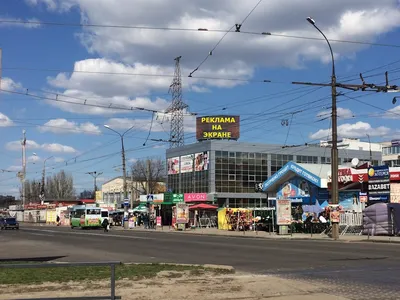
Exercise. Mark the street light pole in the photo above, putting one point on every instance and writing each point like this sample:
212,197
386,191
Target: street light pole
95,175
334,150
23,143
44,177
125,188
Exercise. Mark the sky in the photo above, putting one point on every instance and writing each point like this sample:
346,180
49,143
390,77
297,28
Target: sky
63,83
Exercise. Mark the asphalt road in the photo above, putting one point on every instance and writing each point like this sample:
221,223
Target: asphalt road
355,270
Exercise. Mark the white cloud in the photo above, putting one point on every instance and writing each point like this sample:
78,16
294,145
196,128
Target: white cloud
58,159
58,148
65,126
356,130
9,85
53,5
393,113
161,123
5,121
33,158
133,160
340,19
19,22
14,168
342,113
159,147
16,146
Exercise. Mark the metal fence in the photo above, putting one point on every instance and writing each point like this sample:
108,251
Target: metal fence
112,265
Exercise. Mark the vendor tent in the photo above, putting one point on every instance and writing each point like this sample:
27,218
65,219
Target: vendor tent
203,206
142,208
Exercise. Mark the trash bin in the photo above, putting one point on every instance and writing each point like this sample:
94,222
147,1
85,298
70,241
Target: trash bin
126,223
283,230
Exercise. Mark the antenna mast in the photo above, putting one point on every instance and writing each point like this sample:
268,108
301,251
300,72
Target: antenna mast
177,136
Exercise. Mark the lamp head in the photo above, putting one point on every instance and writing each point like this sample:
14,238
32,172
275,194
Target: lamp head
394,100
106,126
311,21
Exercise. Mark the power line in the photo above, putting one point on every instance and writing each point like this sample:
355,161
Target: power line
131,74
271,34
85,102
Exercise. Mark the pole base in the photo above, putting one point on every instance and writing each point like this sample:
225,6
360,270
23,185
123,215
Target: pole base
335,231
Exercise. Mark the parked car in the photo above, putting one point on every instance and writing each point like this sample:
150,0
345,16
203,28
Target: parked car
8,223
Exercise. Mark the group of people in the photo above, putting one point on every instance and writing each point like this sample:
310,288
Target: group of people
145,219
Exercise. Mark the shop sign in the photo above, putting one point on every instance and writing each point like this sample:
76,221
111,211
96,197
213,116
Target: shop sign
156,198
379,184
283,212
174,198
182,213
290,166
394,176
363,197
395,143
195,197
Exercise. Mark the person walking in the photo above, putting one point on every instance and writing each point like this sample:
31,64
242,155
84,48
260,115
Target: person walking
58,220
106,225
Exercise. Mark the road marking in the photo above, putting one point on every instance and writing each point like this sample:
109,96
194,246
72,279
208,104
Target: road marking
42,234
87,233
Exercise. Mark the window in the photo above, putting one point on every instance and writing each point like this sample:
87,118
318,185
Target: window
232,154
252,155
252,178
232,177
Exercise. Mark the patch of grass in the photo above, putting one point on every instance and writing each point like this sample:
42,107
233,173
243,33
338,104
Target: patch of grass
65,274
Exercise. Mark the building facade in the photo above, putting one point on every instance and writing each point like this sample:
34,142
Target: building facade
229,170
113,191
391,153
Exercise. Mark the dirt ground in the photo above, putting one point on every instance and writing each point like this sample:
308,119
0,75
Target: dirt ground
173,285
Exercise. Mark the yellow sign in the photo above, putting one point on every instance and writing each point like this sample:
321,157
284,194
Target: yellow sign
218,127
99,195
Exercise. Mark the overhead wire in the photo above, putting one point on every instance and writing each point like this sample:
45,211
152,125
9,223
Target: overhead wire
264,33
238,26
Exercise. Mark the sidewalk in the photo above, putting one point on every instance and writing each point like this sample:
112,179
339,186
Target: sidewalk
266,235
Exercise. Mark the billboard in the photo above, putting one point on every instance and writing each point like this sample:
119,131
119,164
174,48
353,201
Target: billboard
283,212
173,165
218,128
186,163
201,161
378,184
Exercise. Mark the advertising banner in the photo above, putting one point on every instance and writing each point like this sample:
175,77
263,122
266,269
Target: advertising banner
350,201
298,190
182,213
173,165
283,212
186,163
395,192
218,127
379,184
99,196
174,198
195,197
201,161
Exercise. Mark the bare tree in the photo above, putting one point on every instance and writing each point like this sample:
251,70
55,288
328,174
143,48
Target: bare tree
32,191
60,186
148,176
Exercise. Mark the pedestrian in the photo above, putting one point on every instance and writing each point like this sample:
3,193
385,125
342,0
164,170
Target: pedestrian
152,221
106,225
58,220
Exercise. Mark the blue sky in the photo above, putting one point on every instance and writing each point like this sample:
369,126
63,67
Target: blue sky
74,134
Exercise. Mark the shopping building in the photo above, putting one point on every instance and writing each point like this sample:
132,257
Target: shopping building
228,171
391,153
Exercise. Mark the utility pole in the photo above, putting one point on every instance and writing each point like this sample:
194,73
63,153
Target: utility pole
23,143
193,173
125,187
1,65
148,172
42,192
370,149
177,135
94,174
334,151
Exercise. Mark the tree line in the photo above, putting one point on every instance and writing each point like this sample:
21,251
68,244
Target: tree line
146,177
59,186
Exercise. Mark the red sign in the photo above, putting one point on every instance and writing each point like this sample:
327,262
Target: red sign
195,197
395,176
